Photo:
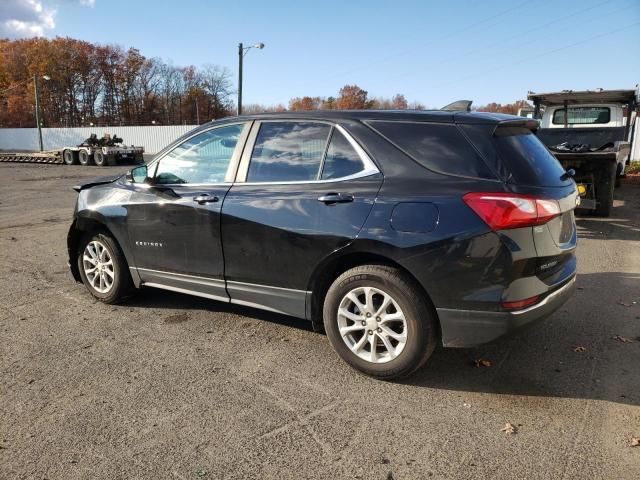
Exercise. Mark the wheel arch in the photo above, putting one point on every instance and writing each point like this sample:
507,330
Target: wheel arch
83,225
338,263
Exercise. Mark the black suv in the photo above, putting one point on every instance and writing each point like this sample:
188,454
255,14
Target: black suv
392,230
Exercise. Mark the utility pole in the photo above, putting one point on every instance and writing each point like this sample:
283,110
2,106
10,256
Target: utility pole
35,89
242,50
240,57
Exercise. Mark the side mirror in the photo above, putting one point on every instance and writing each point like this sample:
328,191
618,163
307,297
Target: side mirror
137,175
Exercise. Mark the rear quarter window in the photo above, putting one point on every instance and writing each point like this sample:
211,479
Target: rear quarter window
438,147
527,159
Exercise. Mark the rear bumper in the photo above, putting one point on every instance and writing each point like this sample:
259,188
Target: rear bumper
470,328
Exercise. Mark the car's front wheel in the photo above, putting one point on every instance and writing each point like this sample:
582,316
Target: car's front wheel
379,321
103,268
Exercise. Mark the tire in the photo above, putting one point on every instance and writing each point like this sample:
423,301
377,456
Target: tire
99,158
84,158
407,300
121,285
139,159
604,192
619,172
111,160
70,157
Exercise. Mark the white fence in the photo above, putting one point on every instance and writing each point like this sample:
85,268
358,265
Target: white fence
152,138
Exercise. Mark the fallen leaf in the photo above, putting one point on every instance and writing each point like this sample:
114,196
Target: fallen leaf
625,304
508,428
483,363
622,339
635,441
579,349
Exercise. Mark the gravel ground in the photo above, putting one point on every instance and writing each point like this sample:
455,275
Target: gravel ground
171,386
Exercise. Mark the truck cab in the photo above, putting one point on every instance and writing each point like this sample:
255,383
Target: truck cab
589,132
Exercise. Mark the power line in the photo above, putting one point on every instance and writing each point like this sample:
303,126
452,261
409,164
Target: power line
405,52
542,54
504,40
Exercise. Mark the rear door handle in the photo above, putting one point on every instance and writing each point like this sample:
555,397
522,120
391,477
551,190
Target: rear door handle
205,198
331,198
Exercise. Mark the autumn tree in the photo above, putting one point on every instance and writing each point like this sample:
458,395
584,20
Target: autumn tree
509,108
305,103
351,97
105,84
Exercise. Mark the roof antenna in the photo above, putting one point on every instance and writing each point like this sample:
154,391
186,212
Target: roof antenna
459,106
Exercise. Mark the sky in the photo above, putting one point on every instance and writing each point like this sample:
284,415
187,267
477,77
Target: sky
433,52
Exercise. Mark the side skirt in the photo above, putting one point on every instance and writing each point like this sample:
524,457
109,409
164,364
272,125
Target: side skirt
275,299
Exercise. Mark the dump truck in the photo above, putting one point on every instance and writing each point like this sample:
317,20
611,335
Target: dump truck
590,133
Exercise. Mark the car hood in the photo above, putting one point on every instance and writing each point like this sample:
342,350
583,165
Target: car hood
96,181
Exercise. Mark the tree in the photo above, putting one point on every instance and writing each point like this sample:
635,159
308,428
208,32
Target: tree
106,84
351,97
509,108
305,103
399,102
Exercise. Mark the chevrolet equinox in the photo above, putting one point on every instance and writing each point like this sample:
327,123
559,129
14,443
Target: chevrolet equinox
393,231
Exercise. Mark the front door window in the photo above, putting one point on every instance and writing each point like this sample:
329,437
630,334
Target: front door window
202,159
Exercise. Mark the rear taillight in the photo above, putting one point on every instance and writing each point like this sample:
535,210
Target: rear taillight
509,210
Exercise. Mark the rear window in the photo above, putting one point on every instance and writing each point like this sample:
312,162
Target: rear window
582,115
438,147
527,159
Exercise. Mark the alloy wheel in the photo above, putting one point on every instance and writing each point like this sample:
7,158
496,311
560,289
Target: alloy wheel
98,266
372,324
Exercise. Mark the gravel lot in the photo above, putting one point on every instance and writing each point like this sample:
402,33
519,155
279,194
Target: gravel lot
171,386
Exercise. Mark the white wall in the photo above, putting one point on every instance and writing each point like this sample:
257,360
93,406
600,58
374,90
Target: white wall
152,138
635,146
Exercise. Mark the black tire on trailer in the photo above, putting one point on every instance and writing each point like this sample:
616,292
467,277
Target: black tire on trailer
111,160
139,160
99,158
84,158
604,191
70,157
619,172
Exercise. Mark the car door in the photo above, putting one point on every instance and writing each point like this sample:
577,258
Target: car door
303,190
173,218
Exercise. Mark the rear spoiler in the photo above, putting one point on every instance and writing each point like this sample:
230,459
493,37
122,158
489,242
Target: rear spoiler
529,123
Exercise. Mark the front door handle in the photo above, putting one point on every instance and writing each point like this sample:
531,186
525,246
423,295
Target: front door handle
331,198
205,198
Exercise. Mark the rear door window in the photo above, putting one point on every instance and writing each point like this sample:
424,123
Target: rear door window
288,151
438,147
342,160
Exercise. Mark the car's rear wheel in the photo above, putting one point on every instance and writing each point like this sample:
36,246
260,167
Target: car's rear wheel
103,268
379,321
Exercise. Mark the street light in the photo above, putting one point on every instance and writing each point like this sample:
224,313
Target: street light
35,90
242,51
